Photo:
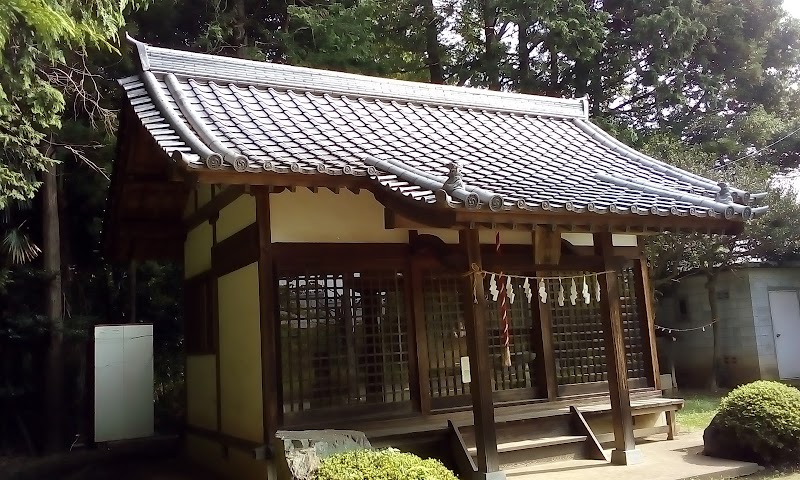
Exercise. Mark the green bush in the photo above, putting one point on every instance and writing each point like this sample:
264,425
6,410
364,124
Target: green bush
764,418
389,464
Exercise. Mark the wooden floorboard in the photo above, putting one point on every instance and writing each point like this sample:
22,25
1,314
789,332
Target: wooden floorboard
641,402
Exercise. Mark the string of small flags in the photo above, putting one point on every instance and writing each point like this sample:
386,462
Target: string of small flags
584,286
670,330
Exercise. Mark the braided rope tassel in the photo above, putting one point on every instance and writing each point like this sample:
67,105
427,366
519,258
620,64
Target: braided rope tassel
504,311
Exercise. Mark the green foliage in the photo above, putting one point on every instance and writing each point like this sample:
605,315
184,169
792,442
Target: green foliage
386,464
36,37
770,237
765,417
366,36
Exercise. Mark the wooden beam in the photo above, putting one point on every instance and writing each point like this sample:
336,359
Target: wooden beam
646,313
205,212
403,213
480,364
592,447
236,251
598,223
546,245
547,371
270,357
625,452
214,305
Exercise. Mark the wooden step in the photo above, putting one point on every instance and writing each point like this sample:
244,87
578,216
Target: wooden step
533,451
525,430
534,443
605,438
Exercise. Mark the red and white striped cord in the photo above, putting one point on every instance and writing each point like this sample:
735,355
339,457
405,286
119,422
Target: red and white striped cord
503,300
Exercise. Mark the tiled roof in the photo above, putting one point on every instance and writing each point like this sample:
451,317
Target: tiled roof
517,152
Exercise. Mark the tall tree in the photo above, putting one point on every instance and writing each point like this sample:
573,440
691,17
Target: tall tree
36,38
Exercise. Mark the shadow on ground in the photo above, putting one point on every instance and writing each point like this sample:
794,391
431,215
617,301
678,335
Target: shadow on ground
151,459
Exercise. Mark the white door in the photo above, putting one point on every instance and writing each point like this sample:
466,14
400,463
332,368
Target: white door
784,306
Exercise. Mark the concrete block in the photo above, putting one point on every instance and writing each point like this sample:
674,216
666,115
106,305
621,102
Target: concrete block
489,476
627,457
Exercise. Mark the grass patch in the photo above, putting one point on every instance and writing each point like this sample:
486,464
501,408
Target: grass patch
698,410
773,475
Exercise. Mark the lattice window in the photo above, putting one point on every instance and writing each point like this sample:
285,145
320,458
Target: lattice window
632,325
343,339
578,341
447,341
521,372
577,335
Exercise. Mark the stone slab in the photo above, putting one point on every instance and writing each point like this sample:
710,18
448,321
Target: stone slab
677,459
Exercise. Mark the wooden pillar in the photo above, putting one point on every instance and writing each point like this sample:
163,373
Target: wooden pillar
644,302
546,248
480,363
547,372
625,452
419,337
270,359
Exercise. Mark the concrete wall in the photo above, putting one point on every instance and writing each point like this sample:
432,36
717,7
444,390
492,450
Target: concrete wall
762,280
692,352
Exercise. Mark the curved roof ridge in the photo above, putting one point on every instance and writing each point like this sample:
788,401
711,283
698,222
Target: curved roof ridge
181,129
256,73
727,209
609,141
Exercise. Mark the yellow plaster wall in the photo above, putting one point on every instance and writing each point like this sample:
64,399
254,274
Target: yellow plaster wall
235,216
197,250
201,391
189,209
203,192
346,217
303,216
240,353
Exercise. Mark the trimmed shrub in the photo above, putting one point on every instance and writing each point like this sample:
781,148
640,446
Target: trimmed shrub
758,422
389,464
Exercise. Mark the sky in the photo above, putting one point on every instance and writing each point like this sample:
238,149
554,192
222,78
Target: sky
792,6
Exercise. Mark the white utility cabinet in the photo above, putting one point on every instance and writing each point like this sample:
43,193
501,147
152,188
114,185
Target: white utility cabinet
123,382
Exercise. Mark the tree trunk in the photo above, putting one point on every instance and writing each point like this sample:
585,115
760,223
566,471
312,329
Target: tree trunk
523,52
711,289
54,376
239,30
490,58
433,46
554,73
